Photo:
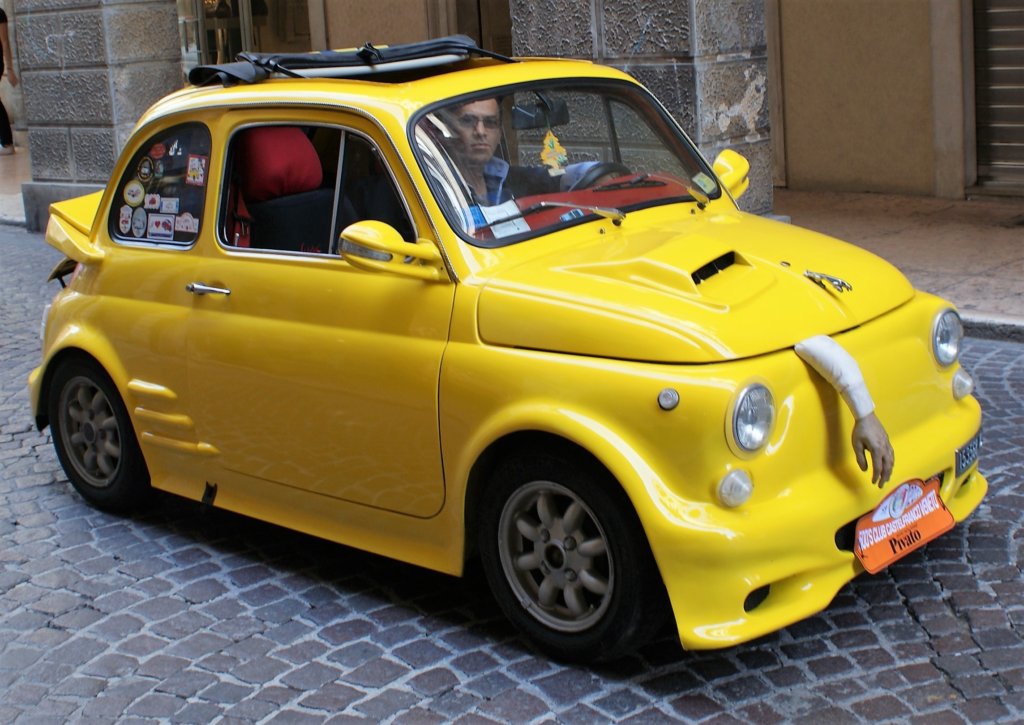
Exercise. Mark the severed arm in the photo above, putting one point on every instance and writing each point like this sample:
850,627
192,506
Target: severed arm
837,366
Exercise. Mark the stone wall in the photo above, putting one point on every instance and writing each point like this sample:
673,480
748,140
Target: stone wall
89,69
706,60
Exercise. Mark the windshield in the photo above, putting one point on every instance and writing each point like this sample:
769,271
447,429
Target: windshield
526,161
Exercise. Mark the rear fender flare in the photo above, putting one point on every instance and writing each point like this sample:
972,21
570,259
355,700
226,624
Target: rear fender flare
77,340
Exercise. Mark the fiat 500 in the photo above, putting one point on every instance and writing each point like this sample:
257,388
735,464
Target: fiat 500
439,305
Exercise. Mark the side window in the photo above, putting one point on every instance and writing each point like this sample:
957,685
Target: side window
280,188
160,197
368,190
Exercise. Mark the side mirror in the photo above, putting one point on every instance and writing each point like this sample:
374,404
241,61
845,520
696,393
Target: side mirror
378,247
733,171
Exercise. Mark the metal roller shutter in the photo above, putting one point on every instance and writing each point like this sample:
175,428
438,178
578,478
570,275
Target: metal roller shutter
999,92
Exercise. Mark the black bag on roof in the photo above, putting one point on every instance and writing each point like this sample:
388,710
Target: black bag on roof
368,60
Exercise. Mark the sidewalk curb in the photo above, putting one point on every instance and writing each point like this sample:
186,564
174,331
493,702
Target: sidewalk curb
994,327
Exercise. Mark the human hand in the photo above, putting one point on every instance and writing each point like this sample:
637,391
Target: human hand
869,435
12,77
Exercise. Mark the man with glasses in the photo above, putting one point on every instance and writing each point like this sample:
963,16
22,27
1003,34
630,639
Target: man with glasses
477,133
477,128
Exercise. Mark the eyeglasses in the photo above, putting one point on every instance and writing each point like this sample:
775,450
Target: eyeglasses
470,121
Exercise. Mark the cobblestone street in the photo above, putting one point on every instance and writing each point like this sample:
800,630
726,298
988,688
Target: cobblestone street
183,615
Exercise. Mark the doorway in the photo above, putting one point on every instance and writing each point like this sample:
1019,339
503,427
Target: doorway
488,22
351,23
215,31
999,94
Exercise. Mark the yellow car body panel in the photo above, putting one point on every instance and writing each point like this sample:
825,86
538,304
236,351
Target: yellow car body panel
631,289
805,484
70,225
311,404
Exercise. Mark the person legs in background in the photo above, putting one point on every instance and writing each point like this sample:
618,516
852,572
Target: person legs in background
6,63
6,136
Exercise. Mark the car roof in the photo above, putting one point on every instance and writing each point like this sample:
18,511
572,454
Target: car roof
383,63
392,81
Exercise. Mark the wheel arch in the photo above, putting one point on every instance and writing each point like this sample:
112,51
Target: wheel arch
521,442
77,348
633,623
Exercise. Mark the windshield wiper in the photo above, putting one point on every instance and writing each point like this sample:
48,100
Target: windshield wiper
640,181
606,212
699,196
645,180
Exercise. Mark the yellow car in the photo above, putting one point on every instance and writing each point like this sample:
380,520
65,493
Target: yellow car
438,304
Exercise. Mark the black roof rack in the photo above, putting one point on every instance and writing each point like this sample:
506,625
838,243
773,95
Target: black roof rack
366,61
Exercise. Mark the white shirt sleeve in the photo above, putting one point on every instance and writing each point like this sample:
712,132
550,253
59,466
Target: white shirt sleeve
837,366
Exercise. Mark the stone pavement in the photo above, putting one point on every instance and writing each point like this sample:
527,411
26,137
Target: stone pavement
176,615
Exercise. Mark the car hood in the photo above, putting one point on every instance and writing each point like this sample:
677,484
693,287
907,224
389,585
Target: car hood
711,287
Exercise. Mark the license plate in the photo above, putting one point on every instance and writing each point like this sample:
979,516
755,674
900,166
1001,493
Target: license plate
967,454
907,519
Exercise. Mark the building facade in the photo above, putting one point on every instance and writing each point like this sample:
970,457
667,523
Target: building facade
705,59
88,70
859,95
918,97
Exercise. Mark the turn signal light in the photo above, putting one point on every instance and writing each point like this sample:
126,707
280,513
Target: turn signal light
735,488
963,384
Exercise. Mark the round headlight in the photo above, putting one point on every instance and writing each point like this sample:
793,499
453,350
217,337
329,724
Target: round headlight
752,417
947,334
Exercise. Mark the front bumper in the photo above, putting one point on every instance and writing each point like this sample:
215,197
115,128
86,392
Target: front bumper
774,564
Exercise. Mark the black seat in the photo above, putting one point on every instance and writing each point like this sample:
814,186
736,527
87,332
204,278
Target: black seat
279,173
294,223
369,192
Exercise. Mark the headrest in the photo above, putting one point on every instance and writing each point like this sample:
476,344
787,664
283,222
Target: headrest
276,161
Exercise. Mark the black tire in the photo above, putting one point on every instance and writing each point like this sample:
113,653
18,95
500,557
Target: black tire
595,172
94,438
567,559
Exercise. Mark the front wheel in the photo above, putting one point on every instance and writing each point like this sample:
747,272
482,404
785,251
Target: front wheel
94,438
567,559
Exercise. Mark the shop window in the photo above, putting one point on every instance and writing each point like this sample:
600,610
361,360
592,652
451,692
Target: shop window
160,197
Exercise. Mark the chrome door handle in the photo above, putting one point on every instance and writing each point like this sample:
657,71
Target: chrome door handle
198,288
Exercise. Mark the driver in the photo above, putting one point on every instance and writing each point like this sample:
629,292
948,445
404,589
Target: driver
477,127
492,180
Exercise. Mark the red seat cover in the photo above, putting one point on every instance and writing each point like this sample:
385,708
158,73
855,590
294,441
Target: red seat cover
276,161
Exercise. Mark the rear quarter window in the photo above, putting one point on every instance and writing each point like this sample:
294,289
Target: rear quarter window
160,196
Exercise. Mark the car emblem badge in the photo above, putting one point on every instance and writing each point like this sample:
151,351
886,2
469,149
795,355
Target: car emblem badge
819,278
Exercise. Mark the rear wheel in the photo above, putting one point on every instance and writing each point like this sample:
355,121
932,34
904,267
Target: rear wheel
93,436
567,559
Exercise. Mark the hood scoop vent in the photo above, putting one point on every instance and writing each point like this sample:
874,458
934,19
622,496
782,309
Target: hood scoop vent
714,267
